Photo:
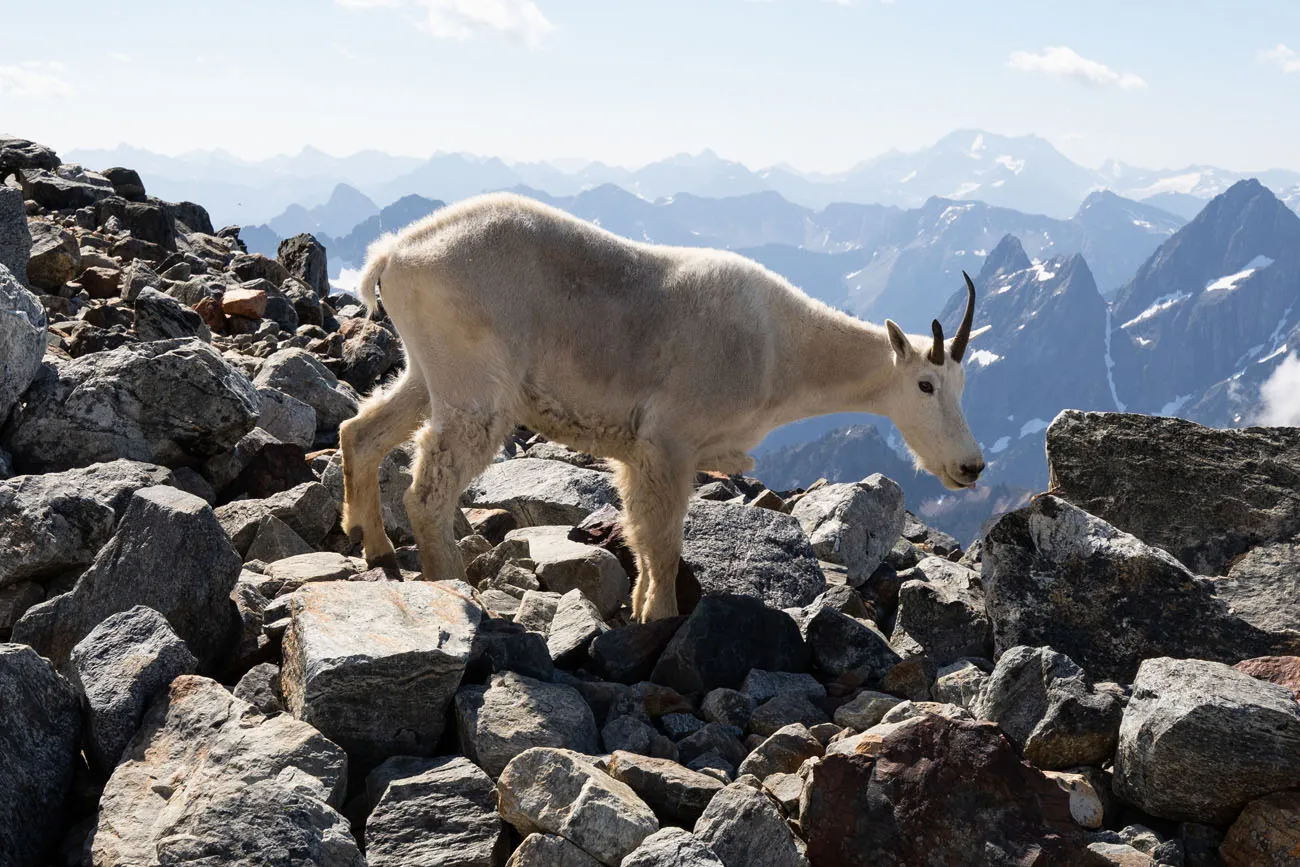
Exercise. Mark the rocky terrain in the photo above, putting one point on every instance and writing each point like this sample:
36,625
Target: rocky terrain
199,669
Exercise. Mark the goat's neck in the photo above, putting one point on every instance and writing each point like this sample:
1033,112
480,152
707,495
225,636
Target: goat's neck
834,364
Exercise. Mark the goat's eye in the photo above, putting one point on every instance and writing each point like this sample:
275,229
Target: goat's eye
926,387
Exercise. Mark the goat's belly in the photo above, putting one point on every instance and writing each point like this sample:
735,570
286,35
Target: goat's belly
584,429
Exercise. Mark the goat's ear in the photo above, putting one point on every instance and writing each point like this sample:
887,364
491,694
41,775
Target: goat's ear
897,339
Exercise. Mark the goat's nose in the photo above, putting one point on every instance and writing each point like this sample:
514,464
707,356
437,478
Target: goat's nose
974,468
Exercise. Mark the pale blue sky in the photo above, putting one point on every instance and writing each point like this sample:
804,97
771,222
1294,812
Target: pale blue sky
815,83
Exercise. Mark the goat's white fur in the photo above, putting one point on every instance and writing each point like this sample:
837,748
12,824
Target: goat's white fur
663,359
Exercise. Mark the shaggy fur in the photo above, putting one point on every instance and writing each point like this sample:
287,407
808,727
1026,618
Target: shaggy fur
665,360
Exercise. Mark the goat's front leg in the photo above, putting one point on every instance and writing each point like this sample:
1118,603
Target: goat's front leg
655,491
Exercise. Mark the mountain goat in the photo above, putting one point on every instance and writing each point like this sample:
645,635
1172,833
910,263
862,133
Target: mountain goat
665,360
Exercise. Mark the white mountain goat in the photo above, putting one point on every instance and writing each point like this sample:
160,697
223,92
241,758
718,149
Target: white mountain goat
666,360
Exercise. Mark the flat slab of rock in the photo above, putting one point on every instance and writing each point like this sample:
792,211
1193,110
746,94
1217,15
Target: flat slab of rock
540,492
1204,495
736,550
436,813
1058,577
54,522
209,780
853,525
374,666
561,792
169,554
1200,740
169,402
515,713
40,726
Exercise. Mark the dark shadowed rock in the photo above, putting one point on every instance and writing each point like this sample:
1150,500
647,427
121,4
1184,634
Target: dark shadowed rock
437,812
22,339
304,257
208,780
1056,576
676,794
515,713
1049,708
169,554
628,654
260,687
170,402
40,726
1204,495
1200,740
723,638
734,549
15,238
120,666
941,792
374,666
58,521
55,257
745,827
853,525
21,153
308,509
126,182
849,651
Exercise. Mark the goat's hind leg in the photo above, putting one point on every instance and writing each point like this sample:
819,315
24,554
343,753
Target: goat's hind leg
655,491
385,420
451,449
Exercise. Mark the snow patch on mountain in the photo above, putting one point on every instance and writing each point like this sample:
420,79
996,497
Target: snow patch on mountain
1160,305
1228,283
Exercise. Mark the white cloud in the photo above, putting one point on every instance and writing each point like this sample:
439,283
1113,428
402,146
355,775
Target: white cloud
1280,394
463,19
1064,62
35,80
1285,59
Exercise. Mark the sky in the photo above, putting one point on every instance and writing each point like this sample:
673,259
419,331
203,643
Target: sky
817,84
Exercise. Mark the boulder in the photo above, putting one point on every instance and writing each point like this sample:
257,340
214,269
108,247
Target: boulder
208,780
287,418
299,374
374,666
55,257
577,621
369,351
1204,495
260,687
308,509
121,666
784,710
15,238
1199,741
57,522
960,682
784,751
1263,586
1056,576
276,540
20,153
745,827
1266,834
516,713
168,553
865,709
549,850
733,549
249,303
728,707
126,182
1049,708
22,339
725,637
303,257
561,792
40,724
283,577
564,565
503,645
434,812
162,317
853,525
673,847
760,685
936,791
71,188
1282,670
255,266
537,610
850,651
539,492
15,599
170,402
676,794
941,607
628,654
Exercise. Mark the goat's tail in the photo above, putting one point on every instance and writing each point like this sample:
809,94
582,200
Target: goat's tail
376,261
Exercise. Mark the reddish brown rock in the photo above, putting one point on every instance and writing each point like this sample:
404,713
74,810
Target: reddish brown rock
1266,834
100,282
249,303
210,310
1282,670
937,792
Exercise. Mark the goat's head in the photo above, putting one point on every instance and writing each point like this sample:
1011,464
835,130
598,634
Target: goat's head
924,400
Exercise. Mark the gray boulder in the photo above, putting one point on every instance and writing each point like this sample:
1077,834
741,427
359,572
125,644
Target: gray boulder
299,374
564,565
677,795
576,623
15,238
39,727
21,153
673,847
734,549
549,850
374,666
308,510
1263,586
746,828
170,402
55,257
540,492
170,554
850,651
516,713
865,709
1199,740
22,339
121,666
1204,495
1049,708
65,188
941,607
287,418
162,317
304,257
208,780
260,687
1056,576
435,813
853,525
56,522
782,753
960,682
561,792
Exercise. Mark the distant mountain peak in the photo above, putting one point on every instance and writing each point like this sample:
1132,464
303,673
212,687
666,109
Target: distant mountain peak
1007,257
